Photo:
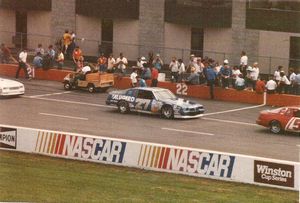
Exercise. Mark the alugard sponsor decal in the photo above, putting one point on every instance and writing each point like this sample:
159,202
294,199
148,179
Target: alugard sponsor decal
274,173
187,161
80,147
8,138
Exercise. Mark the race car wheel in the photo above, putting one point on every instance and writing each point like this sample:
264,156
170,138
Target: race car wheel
167,112
123,107
67,86
91,88
275,127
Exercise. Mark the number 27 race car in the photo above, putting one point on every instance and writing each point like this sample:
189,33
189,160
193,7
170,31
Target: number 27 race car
281,119
154,100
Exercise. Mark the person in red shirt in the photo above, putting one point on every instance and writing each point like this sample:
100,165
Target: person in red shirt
77,57
154,76
260,86
5,55
102,63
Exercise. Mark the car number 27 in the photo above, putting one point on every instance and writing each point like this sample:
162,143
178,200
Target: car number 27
147,105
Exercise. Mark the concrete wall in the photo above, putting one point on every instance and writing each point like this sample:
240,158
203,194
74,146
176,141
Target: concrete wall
7,26
38,26
125,38
177,40
151,25
88,28
277,45
217,41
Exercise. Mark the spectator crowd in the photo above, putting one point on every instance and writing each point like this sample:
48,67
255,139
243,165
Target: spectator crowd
198,71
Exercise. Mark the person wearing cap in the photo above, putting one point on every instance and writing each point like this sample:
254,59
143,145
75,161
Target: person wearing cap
225,73
140,62
22,63
193,78
158,63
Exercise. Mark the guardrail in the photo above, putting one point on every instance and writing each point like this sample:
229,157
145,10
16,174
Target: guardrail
151,156
197,91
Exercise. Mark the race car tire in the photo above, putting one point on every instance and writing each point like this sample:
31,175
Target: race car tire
167,112
123,107
275,127
67,86
91,88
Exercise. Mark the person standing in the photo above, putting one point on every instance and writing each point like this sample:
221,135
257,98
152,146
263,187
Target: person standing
133,78
211,78
67,39
6,54
271,85
174,66
110,63
225,73
254,75
102,63
154,76
181,70
244,63
121,64
158,63
22,64
60,59
77,58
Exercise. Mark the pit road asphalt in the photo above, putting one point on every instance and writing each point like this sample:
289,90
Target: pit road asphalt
46,105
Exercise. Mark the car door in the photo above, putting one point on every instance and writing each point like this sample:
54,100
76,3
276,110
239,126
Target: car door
144,100
293,123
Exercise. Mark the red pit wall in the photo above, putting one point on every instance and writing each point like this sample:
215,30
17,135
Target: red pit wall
198,91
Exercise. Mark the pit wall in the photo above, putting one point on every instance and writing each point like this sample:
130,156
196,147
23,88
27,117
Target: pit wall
197,91
154,157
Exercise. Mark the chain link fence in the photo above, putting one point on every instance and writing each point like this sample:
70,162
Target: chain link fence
93,48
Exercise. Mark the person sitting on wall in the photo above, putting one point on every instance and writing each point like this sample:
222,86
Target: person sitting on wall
193,78
239,82
271,86
260,86
38,60
60,59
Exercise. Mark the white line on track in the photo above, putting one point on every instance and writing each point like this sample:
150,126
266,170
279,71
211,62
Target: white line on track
187,131
233,110
70,102
50,94
63,116
227,121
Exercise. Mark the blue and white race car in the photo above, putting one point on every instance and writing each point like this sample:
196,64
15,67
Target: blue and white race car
154,100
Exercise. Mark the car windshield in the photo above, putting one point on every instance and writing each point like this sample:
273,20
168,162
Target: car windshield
164,94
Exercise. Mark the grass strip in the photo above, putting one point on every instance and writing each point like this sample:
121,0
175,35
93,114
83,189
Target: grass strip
35,178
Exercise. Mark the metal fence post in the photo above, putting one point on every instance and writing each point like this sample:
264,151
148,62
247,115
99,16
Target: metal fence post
270,65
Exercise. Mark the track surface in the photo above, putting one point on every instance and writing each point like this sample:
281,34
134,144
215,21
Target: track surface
46,105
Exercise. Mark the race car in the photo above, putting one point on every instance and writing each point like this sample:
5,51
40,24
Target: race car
11,87
154,100
281,119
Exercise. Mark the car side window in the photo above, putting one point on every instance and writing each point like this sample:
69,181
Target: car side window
297,113
144,94
131,93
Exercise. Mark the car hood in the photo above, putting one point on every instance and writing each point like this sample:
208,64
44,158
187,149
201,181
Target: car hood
181,102
9,83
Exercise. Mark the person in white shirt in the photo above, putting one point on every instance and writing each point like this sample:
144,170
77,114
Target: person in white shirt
110,63
235,73
174,66
181,69
133,78
254,75
121,63
284,84
277,76
244,62
271,85
22,64
239,82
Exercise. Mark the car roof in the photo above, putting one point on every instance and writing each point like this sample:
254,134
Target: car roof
153,89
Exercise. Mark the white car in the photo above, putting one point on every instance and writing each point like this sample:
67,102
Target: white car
11,87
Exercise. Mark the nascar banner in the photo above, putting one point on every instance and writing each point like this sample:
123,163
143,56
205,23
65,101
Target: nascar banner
150,156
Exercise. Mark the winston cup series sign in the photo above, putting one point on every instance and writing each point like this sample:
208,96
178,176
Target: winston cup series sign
274,173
